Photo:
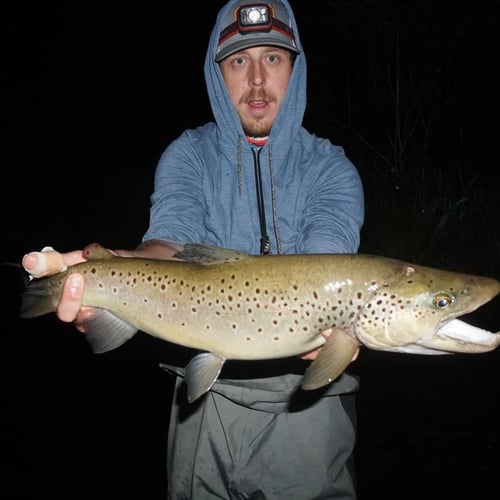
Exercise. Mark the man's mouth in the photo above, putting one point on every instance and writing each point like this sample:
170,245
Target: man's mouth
258,103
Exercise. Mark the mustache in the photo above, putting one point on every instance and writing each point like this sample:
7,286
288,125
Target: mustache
257,95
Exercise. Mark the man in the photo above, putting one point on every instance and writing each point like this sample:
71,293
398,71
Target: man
253,180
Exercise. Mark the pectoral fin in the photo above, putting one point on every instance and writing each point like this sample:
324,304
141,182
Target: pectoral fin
201,373
332,360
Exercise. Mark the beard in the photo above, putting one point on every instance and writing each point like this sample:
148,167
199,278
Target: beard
257,127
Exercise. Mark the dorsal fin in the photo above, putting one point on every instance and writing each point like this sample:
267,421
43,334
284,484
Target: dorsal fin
201,253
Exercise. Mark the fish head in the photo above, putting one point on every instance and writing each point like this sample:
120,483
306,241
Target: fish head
416,310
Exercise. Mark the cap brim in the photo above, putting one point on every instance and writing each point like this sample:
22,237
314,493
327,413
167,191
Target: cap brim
246,44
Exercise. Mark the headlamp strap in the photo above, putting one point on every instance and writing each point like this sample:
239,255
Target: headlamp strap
276,25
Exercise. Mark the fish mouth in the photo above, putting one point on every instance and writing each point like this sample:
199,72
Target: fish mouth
457,336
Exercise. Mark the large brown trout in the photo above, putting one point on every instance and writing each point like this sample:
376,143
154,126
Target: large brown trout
235,306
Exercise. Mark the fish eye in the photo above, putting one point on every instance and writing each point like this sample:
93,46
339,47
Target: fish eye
442,300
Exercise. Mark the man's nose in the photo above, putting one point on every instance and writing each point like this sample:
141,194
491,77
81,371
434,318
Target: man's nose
256,76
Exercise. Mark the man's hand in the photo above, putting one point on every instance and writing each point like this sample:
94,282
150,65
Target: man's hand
48,262
311,355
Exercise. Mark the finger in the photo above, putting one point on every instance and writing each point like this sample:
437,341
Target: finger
39,264
355,357
49,261
71,299
84,316
311,355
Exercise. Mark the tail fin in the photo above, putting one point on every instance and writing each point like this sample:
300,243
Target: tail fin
36,299
17,281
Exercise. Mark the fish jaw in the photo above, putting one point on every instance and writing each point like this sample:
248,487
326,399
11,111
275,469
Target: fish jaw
418,312
460,337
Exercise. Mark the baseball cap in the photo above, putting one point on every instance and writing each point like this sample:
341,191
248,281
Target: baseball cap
250,24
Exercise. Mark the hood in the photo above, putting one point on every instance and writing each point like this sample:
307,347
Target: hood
291,112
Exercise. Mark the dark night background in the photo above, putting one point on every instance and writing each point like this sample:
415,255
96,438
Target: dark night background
92,94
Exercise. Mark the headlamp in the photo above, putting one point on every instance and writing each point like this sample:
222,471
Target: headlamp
250,24
254,18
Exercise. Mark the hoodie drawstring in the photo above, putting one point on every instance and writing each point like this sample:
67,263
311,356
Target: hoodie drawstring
265,244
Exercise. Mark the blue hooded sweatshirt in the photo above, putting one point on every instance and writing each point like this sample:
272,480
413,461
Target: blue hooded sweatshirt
205,188
205,191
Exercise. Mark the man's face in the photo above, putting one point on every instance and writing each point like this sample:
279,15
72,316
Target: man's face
256,79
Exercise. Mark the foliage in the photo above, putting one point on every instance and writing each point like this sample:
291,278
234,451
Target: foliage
440,218
401,86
